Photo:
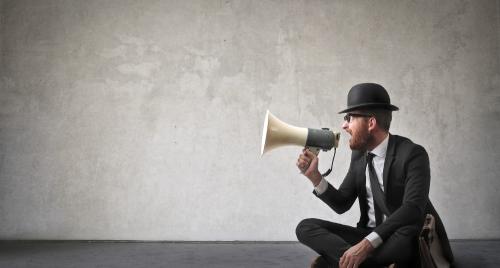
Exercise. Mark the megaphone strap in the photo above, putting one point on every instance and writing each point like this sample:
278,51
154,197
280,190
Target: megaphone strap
331,166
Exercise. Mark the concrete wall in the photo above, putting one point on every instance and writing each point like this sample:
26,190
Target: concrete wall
143,119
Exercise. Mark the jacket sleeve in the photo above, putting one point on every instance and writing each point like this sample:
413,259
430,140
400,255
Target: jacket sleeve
342,199
416,194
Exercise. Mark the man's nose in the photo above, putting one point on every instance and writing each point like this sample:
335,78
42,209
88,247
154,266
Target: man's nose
345,125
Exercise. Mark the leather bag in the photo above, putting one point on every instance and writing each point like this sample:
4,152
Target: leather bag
431,253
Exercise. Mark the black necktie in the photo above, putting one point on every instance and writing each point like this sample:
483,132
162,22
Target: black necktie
377,193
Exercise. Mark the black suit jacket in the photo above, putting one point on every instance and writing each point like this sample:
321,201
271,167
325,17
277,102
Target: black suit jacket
406,188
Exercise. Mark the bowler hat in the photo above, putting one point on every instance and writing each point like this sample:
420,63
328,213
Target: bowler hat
368,95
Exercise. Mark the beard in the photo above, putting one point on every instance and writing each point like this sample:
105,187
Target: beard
360,139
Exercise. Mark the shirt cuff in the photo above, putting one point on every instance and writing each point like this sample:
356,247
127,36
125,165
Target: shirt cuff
374,239
321,187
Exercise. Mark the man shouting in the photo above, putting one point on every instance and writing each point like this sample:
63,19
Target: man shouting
390,177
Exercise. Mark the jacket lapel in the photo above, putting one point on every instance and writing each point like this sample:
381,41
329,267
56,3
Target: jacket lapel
362,178
389,159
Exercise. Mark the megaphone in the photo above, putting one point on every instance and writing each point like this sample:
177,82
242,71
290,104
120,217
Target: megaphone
277,133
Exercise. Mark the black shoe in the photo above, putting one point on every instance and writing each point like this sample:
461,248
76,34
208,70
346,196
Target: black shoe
319,262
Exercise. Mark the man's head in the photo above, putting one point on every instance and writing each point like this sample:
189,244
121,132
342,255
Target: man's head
368,115
367,127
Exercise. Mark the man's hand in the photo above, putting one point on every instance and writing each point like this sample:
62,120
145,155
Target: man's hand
308,165
354,256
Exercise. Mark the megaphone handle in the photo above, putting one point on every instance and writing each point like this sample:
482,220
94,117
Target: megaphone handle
313,150
316,150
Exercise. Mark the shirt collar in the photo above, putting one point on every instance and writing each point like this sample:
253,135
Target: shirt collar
381,149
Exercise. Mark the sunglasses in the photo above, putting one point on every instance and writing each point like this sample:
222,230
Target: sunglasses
348,117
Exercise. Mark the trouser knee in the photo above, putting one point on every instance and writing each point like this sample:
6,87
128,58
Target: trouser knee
304,229
400,247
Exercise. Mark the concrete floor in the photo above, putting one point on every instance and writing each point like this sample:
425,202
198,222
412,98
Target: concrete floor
469,253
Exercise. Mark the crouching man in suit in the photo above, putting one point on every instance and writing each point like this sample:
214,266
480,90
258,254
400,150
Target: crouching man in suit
389,175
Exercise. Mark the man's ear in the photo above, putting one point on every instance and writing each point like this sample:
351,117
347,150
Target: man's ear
372,123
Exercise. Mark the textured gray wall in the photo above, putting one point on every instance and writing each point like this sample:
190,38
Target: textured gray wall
142,119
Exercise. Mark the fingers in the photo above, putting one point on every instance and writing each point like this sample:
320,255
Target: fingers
343,261
349,260
308,153
346,263
302,164
305,159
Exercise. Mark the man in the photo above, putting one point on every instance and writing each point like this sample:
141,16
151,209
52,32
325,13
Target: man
390,177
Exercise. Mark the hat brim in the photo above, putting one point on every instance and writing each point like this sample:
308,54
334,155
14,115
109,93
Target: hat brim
385,106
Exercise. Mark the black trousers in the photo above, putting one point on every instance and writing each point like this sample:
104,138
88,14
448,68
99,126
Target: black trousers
331,240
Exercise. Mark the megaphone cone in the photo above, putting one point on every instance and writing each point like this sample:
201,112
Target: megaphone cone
277,133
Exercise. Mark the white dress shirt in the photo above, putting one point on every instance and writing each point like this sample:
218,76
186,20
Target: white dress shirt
378,163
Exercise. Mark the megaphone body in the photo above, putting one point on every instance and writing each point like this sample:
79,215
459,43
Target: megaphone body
277,133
